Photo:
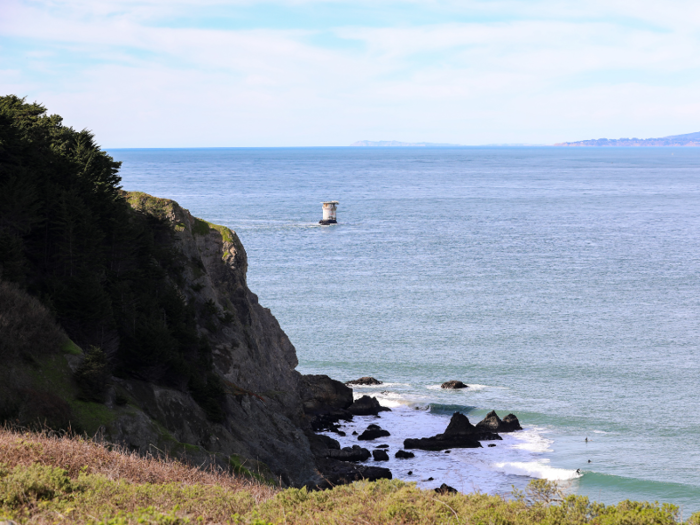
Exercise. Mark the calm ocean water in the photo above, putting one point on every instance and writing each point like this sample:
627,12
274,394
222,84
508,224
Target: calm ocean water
562,285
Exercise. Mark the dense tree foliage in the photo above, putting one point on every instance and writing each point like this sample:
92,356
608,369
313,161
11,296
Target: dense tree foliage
68,237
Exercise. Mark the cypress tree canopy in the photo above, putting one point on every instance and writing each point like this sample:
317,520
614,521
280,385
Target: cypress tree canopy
109,274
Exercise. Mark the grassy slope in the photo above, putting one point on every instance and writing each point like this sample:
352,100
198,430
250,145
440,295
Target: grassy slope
50,479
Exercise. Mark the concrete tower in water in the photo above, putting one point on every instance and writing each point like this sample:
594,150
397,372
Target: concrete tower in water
329,208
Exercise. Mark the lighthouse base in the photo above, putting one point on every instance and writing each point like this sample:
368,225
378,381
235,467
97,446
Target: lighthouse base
326,222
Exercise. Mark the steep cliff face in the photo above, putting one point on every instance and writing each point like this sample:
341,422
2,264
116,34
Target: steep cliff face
263,428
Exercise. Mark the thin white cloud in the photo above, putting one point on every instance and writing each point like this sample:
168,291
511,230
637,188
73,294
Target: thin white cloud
551,71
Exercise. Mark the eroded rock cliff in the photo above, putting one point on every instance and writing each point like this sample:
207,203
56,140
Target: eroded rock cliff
263,428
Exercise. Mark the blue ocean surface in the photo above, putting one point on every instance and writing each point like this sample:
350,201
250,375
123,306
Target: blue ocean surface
561,284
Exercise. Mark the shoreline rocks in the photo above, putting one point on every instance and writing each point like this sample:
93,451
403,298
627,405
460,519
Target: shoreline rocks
380,455
365,381
367,406
460,433
453,384
493,423
354,453
341,473
373,432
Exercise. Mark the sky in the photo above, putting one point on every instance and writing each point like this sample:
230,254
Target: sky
244,73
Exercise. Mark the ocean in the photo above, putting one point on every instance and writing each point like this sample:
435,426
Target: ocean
560,284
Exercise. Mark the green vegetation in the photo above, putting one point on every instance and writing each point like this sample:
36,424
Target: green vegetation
105,272
203,227
47,494
45,478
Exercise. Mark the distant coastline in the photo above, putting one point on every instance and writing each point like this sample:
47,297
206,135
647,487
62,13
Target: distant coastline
687,140
398,144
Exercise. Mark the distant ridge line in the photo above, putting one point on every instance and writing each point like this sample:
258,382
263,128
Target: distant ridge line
688,140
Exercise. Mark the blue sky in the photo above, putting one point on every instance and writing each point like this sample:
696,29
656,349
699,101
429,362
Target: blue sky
157,73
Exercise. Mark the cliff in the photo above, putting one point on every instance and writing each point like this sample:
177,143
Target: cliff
261,427
263,418
122,315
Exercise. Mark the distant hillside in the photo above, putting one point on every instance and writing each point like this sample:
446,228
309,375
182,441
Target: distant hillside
689,139
397,144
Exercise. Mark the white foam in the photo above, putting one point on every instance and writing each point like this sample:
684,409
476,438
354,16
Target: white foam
383,385
391,399
536,469
532,441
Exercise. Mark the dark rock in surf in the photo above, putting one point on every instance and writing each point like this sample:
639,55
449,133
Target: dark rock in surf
367,406
373,432
339,473
325,401
493,423
460,433
492,444
453,385
402,454
380,455
511,421
364,381
354,453
445,489
384,445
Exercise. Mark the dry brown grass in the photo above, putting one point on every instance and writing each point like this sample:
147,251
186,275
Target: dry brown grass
77,455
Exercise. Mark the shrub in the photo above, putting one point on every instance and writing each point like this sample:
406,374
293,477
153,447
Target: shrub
32,484
92,376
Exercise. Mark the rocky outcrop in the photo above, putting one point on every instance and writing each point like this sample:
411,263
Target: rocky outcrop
493,423
340,472
264,426
364,381
460,433
325,402
453,385
321,394
402,454
367,406
373,432
354,453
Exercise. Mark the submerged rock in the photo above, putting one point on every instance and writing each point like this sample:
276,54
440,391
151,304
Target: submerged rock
380,455
453,384
373,432
402,454
367,406
460,433
364,381
493,423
